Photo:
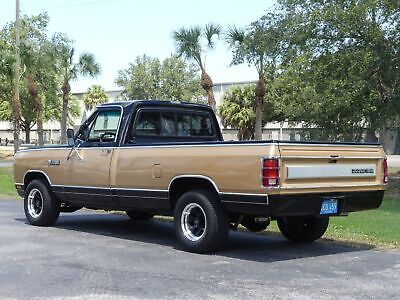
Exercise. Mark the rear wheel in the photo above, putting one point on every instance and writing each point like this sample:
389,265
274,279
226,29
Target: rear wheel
41,207
201,223
139,215
303,229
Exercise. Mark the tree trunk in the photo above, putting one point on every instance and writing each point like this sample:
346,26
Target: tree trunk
16,109
39,122
388,138
260,93
28,135
26,126
33,90
245,134
66,89
370,137
207,85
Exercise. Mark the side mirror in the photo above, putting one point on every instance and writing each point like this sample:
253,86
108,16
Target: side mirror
70,137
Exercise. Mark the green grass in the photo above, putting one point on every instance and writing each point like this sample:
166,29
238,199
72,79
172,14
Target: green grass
7,182
380,227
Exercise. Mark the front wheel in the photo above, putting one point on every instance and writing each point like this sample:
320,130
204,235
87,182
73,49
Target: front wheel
303,229
41,207
201,224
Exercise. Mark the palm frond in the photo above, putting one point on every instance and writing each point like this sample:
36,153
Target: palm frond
209,31
71,55
234,35
187,43
88,65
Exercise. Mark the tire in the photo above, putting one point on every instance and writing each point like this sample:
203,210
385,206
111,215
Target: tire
41,207
139,215
303,229
201,223
253,226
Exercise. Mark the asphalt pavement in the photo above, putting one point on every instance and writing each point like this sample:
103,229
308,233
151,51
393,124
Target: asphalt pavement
89,255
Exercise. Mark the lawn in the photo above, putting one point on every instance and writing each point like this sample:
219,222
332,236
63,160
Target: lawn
7,182
381,226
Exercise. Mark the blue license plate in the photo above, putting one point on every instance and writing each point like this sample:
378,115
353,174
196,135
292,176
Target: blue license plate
329,206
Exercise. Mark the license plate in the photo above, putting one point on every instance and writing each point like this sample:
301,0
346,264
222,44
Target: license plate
329,206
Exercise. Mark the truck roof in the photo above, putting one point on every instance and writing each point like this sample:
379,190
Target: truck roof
131,103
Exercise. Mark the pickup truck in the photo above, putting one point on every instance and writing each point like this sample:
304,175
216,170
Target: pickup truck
169,158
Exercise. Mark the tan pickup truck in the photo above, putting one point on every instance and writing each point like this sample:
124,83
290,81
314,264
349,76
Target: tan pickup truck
165,158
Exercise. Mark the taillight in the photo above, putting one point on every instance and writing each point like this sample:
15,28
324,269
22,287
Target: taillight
385,171
270,172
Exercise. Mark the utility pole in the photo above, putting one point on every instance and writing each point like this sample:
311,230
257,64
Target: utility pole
16,106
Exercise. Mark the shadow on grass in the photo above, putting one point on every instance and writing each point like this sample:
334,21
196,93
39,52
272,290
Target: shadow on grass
266,247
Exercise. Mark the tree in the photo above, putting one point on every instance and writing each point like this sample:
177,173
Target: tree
94,96
148,78
347,53
258,45
40,72
7,83
237,110
191,44
39,81
6,78
85,66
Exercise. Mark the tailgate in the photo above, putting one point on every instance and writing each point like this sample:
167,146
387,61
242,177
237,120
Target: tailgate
331,166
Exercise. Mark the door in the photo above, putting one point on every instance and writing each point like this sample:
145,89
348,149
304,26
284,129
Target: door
87,170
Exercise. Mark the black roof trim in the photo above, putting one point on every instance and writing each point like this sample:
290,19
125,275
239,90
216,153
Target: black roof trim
154,103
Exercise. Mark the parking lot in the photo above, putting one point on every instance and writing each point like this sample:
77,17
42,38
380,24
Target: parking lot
89,255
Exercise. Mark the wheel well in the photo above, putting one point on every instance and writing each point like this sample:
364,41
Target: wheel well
35,175
180,186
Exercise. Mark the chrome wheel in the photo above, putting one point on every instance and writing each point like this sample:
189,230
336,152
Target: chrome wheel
193,222
35,203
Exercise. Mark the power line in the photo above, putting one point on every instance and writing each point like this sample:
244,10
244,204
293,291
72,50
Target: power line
88,3
16,107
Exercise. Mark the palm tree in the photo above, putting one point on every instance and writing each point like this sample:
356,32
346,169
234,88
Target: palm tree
192,44
6,91
94,96
243,49
33,90
86,66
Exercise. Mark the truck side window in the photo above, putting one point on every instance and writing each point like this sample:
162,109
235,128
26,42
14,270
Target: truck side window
184,124
148,123
194,125
105,126
173,124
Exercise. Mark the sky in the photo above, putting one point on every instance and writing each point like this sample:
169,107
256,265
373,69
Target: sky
117,31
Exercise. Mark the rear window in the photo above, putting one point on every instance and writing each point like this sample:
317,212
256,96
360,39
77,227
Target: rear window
173,124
